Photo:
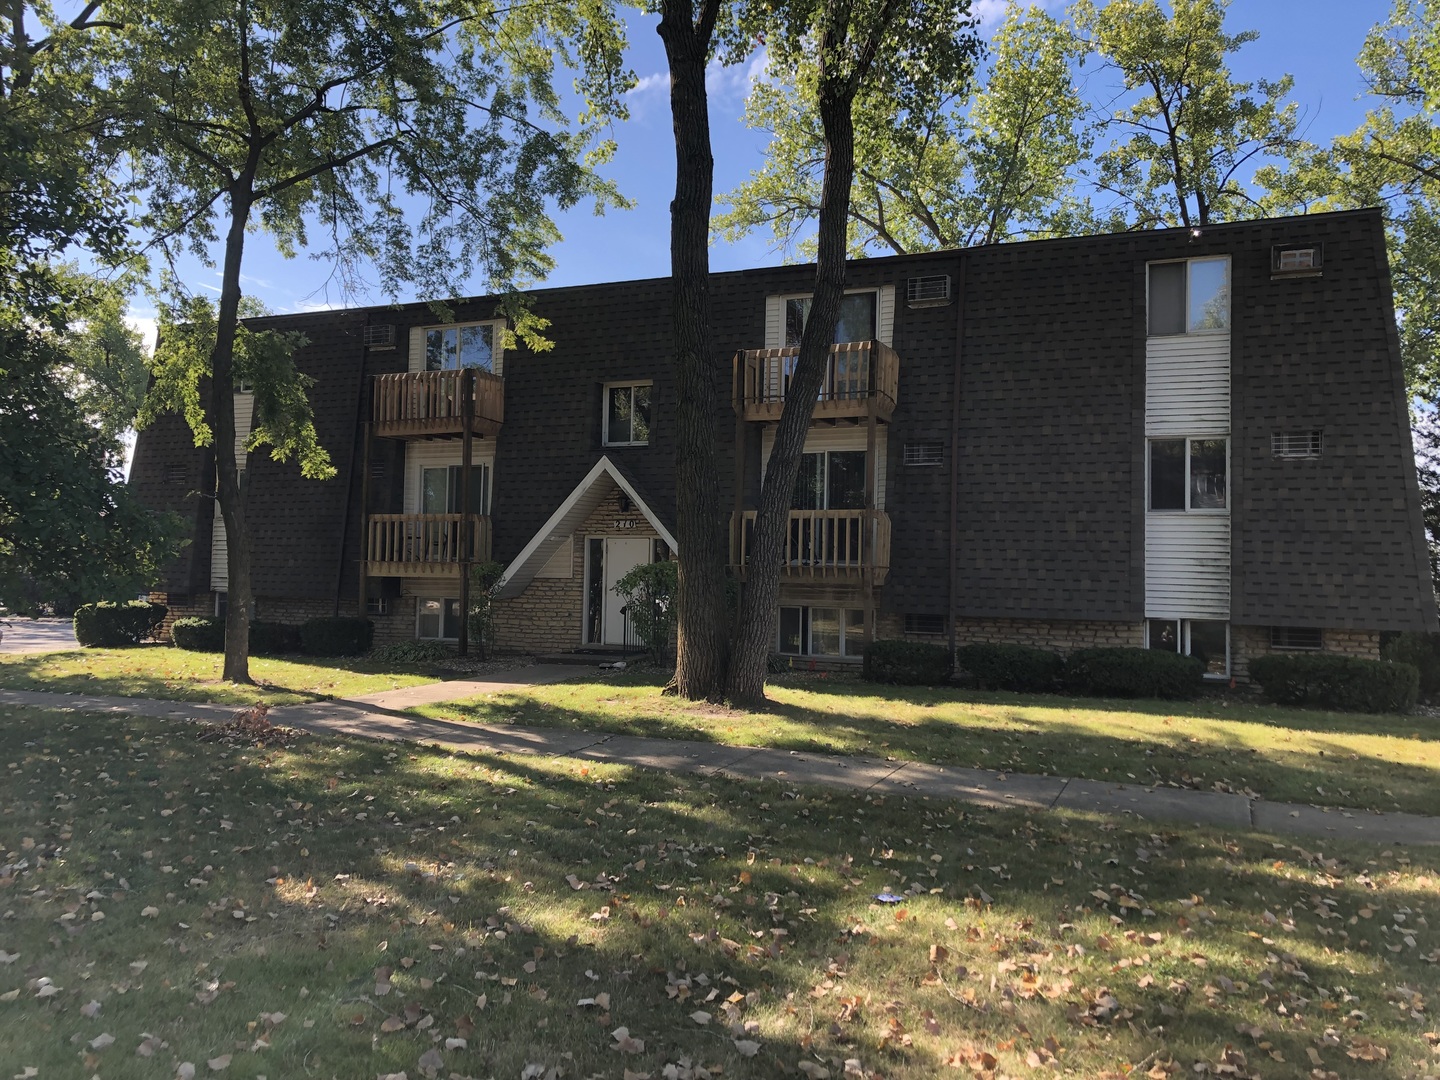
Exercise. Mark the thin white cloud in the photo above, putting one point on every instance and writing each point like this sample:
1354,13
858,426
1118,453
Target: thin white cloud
146,326
650,84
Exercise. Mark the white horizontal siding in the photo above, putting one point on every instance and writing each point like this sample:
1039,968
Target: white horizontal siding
436,454
836,438
562,563
1187,385
774,322
219,552
1187,566
885,315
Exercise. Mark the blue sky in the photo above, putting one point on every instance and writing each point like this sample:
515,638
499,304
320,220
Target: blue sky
1316,41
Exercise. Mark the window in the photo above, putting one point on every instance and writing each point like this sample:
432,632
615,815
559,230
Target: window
830,480
440,489
1188,474
377,605
1296,637
244,386
627,415
1208,640
807,631
222,604
1295,444
925,625
448,348
1189,297
924,453
437,620
857,318
1298,260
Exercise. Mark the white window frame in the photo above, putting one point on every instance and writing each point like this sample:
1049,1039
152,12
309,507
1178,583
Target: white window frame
497,327
1187,332
807,645
631,385
1183,637
419,600
1188,509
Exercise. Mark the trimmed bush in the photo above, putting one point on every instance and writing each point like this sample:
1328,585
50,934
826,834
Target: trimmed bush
907,663
1136,673
1421,651
1337,682
199,633
413,652
109,625
1011,667
273,638
340,636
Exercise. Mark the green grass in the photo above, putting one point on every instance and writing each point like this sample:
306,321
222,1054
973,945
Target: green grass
192,891
161,671
1286,755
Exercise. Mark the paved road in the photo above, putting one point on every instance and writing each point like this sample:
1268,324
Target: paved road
37,635
890,777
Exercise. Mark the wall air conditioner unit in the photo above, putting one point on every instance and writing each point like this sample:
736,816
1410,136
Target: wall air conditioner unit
380,336
930,291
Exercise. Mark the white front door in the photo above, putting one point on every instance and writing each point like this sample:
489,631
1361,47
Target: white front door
622,554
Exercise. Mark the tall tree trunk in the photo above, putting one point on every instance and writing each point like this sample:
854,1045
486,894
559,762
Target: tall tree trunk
230,488
761,605
702,619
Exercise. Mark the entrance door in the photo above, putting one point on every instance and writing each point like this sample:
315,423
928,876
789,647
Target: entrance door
622,554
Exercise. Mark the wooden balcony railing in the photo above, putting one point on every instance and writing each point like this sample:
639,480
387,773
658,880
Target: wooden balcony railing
405,545
834,545
859,376
420,403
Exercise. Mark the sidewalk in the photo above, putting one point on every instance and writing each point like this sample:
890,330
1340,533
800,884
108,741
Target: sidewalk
376,717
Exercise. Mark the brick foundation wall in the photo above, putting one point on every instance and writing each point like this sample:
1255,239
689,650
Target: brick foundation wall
1057,635
1248,642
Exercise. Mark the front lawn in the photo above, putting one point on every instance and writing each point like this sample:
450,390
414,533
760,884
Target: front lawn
168,673
1286,755
345,908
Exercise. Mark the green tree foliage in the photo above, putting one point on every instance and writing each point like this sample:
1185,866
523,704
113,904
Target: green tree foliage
326,123
70,530
1186,137
977,167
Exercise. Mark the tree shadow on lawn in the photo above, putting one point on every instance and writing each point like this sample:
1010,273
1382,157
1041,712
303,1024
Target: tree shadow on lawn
683,877
1023,743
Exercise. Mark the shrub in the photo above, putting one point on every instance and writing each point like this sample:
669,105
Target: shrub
109,625
1337,682
199,634
1422,651
1140,673
484,577
340,636
412,652
1011,667
649,594
908,663
273,638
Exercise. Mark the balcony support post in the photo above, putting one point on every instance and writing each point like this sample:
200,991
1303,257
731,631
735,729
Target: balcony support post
467,412
364,525
871,528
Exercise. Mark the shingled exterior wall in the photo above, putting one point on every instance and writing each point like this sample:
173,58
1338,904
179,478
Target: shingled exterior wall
1032,380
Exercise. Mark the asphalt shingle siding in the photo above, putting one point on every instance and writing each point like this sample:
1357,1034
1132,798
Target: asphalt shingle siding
1050,442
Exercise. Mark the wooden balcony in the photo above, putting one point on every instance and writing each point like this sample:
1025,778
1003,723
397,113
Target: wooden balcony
417,545
859,376
421,404
840,546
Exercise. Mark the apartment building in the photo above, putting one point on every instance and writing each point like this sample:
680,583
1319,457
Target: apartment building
1182,439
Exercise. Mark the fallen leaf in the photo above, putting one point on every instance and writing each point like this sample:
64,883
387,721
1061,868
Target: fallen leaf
746,1047
100,1042
219,1064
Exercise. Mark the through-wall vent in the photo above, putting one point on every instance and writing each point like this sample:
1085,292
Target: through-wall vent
930,291
1295,444
380,336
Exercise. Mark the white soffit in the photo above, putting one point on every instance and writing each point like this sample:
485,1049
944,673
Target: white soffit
566,520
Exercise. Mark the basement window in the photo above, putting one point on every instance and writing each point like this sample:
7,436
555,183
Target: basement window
437,619
1297,638
924,625
1208,640
816,631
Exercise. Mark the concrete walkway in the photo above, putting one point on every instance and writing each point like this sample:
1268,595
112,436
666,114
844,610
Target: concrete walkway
376,717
